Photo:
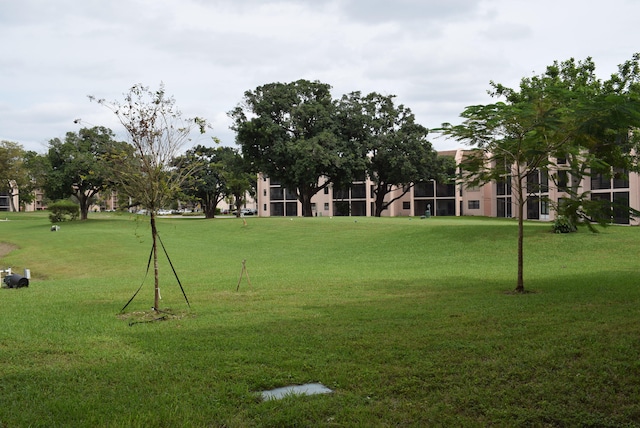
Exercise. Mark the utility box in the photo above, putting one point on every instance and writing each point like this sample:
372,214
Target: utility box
16,281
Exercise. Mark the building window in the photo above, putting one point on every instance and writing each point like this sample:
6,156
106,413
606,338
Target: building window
504,207
621,207
326,206
533,208
503,187
406,205
620,178
474,205
276,193
600,181
537,182
445,189
326,190
544,207
563,181
358,191
423,189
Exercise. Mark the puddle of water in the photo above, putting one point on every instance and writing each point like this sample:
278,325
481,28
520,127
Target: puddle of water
307,389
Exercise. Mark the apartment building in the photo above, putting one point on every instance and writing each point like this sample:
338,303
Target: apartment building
494,199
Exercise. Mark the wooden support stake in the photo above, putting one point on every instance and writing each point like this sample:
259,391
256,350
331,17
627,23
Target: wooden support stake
244,271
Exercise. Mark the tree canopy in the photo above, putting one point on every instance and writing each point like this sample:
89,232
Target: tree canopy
565,111
146,172
80,166
212,179
288,131
395,147
14,174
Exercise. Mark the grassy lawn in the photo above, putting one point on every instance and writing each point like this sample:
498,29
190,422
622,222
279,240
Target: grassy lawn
409,321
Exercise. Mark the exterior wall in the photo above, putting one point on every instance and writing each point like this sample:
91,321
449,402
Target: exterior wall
491,200
38,202
10,201
7,202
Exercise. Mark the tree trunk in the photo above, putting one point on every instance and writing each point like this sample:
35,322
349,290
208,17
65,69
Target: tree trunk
84,213
209,208
84,207
379,204
307,207
12,206
520,286
154,234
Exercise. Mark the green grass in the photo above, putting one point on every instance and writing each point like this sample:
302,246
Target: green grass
409,321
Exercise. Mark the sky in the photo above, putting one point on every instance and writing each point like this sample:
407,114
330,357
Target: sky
436,56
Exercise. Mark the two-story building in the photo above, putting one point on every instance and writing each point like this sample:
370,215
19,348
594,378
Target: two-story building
494,199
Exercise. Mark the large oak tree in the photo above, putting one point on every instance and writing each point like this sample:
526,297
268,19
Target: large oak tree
397,152
206,184
80,166
288,131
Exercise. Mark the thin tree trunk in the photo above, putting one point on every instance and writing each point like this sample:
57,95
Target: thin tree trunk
520,286
154,234
522,199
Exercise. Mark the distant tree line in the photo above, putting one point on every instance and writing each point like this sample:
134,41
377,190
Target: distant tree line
299,135
294,133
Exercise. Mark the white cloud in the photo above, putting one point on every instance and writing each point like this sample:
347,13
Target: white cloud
437,56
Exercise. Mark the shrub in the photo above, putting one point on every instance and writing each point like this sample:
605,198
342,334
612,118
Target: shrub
563,224
63,211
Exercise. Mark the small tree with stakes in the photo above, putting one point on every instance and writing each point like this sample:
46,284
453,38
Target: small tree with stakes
156,132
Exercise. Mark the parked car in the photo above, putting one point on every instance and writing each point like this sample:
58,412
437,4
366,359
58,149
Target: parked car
245,211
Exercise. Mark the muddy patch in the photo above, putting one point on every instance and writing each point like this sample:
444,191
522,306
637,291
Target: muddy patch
143,317
6,248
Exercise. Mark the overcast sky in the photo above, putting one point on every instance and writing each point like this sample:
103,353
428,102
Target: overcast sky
437,56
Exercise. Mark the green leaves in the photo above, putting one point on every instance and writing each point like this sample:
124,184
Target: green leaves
291,132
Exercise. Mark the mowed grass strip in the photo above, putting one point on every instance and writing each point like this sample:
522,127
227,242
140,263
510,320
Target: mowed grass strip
410,321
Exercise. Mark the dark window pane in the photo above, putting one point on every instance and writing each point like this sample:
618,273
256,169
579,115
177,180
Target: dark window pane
276,193
620,179
358,191
277,209
423,190
533,208
340,193
445,190
621,207
359,208
446,207
290,195
292,209
563,181
600,181
341,208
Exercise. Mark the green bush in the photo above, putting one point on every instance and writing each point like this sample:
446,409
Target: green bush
563,224
63,211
